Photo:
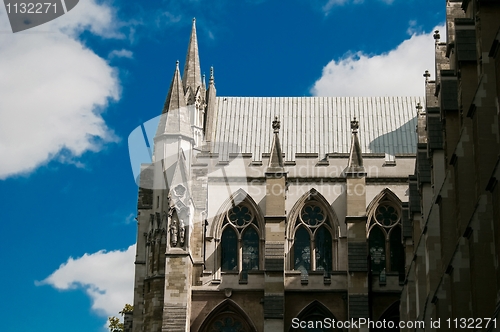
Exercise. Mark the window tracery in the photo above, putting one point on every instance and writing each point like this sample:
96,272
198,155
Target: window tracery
312,242
384,237
240,240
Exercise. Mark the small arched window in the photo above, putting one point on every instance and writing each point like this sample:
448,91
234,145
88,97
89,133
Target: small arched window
312,242
240,240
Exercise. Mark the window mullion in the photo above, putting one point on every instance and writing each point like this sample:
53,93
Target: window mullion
313,255
387,254
240,254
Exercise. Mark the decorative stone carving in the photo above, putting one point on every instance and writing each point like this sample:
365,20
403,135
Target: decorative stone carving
179,191
176,216
174,229
182,232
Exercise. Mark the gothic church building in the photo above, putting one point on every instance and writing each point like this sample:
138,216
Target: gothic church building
256,211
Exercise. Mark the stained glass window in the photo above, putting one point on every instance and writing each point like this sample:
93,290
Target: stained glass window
396,250
386,215
302,250
240,241
314,245
323,242
250,246
312,215
316,313
386,252
229,243
240,216
227,324
377,249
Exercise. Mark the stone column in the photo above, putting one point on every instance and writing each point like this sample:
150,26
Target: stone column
357,246
274,254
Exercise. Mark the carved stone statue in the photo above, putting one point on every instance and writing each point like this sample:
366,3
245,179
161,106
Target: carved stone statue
174,228
182,232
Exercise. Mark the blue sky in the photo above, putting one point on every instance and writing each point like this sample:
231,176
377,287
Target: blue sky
72,91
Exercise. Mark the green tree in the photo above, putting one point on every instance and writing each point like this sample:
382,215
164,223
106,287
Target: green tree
115,324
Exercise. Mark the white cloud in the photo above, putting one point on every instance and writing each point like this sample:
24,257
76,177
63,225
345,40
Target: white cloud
106,277
328,6
121,54
332,3
98,18
53,90
397,73
414,28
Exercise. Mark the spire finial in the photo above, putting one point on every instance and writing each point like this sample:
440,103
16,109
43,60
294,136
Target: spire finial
276,157
211,73
276,125
427,75
355,163
419,108
354,125
177,64
436,36
194,20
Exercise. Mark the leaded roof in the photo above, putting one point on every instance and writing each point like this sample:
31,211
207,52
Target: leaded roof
314,125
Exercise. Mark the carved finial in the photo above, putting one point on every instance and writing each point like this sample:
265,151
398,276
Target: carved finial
194,20
427,75
419,108
354,125
276,125
436,36
211,73
177,64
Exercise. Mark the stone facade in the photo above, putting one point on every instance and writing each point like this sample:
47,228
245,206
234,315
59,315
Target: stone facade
453,247
247,222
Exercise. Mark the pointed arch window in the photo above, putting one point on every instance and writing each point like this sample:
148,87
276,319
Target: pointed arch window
315,314
384,239
240,240
227,316
312,242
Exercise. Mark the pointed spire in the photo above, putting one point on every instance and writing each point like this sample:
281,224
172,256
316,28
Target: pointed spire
191,78
276,157
175,97
355,164
175,115
211,105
